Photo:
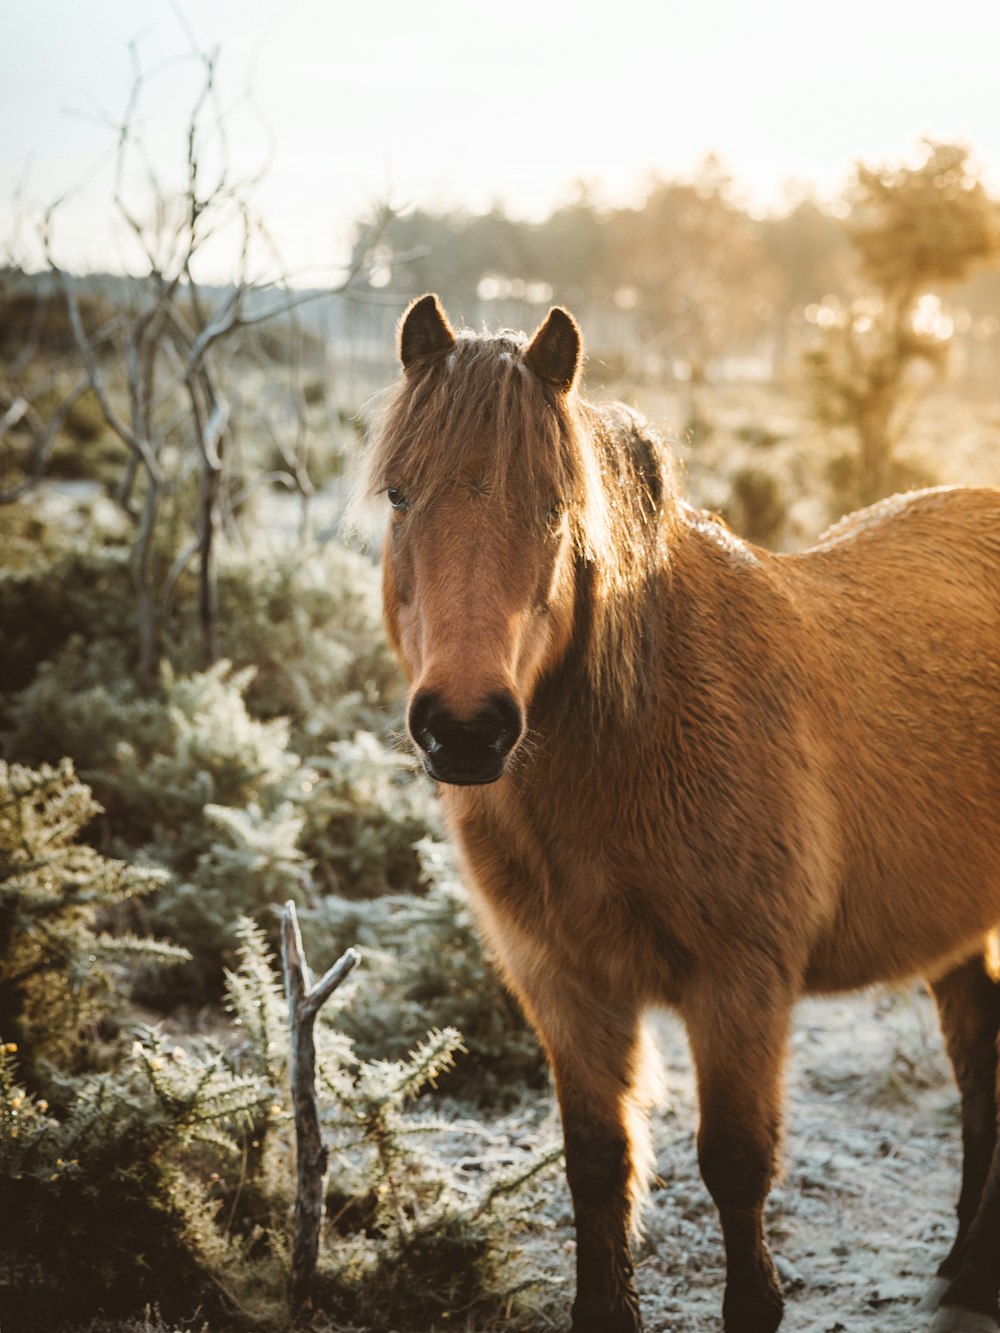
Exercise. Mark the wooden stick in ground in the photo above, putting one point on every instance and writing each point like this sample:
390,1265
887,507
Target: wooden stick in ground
304,1003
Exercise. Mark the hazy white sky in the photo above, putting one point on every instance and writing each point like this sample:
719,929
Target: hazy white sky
442,102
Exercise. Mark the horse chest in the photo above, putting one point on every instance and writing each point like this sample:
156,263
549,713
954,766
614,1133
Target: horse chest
577,908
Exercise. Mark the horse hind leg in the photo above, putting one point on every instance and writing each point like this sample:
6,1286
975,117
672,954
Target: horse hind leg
968,1001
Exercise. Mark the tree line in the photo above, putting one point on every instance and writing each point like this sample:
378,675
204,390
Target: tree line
700,276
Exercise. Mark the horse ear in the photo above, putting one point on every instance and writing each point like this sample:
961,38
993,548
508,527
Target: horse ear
424,331
556,349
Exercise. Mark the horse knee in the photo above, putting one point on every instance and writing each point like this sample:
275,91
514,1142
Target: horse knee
598,1161
737,1167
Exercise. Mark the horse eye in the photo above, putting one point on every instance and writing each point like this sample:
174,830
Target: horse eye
397,499
554,514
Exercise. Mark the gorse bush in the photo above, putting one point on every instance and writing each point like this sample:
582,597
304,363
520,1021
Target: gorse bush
308,619
59,970
168,1177
87,1130
250,782
366,808
408,1245
101,1208
141,1169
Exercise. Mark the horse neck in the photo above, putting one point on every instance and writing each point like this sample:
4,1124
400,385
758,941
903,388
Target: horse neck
671,636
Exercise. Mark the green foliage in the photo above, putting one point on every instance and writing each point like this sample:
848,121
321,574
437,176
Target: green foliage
168,1177
366,808
65,588
406,1244
207,750
916,230
426,969
60,972
249,783
309,620
101,1209
187,1147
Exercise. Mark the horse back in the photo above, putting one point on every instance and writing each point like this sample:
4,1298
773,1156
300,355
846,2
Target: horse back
901,625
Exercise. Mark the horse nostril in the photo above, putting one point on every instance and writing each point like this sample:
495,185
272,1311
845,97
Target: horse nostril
503,712
423,710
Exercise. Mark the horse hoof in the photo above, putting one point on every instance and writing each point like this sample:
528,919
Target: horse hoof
950,1319
931,1298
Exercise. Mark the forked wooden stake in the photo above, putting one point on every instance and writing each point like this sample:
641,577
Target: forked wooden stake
304,1003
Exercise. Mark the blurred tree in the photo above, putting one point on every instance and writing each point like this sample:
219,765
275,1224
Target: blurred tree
454,253
695,262
810,253
152,362
916,230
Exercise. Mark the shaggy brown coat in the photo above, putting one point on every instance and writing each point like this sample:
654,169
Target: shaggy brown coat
738,777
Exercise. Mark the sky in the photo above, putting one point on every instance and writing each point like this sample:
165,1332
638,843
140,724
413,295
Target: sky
455,103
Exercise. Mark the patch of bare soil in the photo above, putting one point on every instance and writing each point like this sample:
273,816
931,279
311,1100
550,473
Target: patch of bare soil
863,1212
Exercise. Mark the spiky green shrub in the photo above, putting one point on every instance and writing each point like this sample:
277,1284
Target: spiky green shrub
108,1206
60,970
428,1248
366,808
407,1243
249,782
97,1209
168,1175
55,585
308,618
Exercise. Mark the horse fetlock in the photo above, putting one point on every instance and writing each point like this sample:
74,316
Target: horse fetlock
752,1315
598,1317
753,1306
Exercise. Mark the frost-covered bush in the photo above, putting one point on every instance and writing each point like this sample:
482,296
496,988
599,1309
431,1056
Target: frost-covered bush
366,807
191,780
61,970
407,1242
55,585
306,619
309,621
427,969
108,1203
168,1178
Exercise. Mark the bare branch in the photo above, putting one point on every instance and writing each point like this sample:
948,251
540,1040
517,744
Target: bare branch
45,437
304,1002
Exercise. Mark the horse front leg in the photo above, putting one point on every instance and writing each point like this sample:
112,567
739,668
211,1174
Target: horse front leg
738,1043
605,1072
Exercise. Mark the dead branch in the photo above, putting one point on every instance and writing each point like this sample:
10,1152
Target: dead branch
304,1002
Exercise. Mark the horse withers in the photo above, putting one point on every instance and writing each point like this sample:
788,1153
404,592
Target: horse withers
684,771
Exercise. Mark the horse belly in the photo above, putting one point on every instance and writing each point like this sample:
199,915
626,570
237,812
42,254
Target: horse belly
920,865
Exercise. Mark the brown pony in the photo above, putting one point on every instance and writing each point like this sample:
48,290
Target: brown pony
682,770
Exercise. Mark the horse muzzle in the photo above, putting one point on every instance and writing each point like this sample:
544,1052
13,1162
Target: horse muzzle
465,751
